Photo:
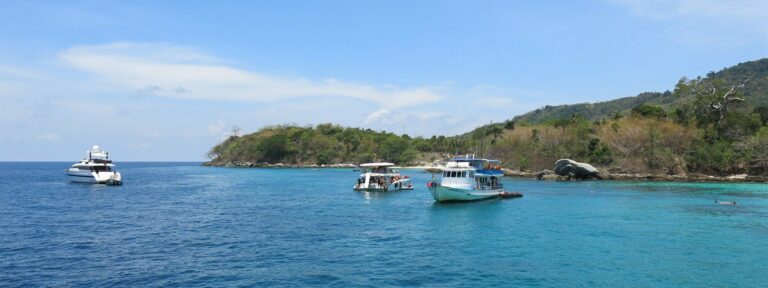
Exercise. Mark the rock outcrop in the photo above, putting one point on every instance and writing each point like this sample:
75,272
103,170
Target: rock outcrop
577,170
546,174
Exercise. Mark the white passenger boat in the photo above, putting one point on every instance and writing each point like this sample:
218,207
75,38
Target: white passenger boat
468,179
381,177
95,168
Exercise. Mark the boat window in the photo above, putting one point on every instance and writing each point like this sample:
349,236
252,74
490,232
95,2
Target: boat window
463,174
100,168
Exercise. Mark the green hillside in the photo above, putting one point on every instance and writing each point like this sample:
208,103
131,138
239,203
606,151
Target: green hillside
716,125
755,92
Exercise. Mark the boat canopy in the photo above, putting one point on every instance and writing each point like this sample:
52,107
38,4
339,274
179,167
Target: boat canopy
462,159
457,164
373,165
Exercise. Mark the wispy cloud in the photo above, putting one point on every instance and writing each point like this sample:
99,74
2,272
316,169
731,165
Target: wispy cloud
748,14
750,9
48,137
217,129
178,72
376,116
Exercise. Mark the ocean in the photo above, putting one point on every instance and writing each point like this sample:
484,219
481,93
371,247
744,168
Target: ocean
184,225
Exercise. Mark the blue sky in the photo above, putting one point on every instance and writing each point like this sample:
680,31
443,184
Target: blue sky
166,80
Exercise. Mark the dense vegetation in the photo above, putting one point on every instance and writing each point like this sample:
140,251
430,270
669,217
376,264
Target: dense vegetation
755,89
713,125
322,144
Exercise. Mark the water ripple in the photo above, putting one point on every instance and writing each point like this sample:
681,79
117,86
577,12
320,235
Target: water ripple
199,226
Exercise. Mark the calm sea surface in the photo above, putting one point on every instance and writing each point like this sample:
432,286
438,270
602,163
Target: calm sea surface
180,224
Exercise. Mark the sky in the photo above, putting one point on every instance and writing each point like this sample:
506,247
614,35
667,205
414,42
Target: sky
167,80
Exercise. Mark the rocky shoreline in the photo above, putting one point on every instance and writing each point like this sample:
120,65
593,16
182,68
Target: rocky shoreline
238,164
691,177
542,175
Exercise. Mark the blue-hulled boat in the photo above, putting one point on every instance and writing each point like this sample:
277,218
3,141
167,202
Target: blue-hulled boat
467,179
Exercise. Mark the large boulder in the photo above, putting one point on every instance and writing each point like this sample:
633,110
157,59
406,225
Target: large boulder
572,169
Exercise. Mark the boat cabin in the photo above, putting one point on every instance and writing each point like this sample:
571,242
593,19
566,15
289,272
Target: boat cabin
381,176
473,173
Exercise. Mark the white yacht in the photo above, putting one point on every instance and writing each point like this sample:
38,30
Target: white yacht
95,168
381,177
468,179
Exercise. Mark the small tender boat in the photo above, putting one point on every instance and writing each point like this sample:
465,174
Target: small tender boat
96,168
469,178
381,177
726,203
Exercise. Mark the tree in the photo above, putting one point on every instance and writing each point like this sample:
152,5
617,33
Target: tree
509,125
649,110
763,112
235,131
494,130
759,147
273,148
713,97
738,126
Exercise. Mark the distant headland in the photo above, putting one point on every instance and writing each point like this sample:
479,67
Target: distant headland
712,128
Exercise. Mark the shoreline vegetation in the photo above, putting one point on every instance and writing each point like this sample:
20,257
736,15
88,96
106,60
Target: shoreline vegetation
711,129
692,177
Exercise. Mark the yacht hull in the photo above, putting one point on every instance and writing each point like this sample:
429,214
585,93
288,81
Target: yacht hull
80,176
442,194
402,184
397,186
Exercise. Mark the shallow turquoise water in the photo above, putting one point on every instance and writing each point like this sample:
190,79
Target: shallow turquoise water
179,224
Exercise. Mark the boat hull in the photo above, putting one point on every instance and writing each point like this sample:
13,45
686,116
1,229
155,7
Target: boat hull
401,184
80,176
442,194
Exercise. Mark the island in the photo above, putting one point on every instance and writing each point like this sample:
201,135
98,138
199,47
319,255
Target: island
712,128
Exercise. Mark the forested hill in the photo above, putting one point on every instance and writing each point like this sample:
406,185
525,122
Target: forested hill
755,92
716,125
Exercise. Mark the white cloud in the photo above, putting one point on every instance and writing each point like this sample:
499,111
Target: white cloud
376,116
177,72
496,102
216,129
746,14
48,137
752,9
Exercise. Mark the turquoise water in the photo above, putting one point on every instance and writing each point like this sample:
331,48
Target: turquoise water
179,224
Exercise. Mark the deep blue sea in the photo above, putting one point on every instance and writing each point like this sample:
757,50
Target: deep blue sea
184,225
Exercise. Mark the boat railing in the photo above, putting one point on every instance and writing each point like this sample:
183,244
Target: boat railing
489,187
